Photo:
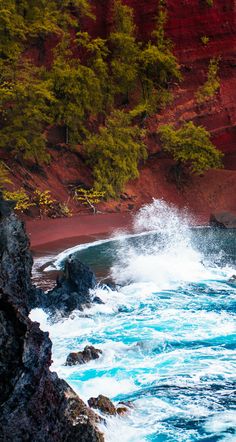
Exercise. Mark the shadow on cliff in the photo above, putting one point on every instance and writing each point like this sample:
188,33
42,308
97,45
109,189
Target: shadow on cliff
35,405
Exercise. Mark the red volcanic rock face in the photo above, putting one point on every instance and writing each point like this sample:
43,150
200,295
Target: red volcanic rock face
188,22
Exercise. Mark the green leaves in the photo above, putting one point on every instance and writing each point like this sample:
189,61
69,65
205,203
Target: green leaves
114,153
25,99
212,84
78,93
191,146
4,175
124,50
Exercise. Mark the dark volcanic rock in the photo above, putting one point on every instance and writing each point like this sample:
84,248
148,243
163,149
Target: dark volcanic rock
224,220
16,262
72,289
35,405
82,357
102,403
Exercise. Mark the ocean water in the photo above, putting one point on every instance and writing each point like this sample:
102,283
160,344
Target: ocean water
167,330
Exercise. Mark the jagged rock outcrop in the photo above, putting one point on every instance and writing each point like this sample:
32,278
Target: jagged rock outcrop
35,405
72,290
104,404
89,353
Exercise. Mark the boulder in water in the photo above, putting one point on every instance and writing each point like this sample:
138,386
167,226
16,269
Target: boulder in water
82,357
223,220
71,291
104,404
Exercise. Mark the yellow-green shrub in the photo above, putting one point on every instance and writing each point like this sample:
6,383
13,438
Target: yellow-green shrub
23,201
212,84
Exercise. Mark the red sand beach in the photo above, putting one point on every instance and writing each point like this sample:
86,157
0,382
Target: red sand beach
54,234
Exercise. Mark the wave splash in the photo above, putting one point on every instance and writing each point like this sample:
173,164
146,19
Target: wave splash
167,256
168,334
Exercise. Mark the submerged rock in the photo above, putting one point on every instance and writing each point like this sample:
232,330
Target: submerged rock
224,220
82,357
104,404
34,403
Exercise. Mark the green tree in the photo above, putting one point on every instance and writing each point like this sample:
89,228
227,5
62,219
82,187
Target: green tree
114,153
89,197
25,100
78,92
158,65
124,50
96,58
191,147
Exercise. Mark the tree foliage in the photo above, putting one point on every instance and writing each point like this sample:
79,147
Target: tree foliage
124,49
84,81
21,199
212,84
190,146
89,197
158,65
114,153
4,176
78,93
25,100
27,96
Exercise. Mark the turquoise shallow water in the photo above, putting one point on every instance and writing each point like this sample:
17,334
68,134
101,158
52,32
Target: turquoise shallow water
168,331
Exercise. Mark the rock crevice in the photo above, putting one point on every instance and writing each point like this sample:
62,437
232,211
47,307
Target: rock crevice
35,405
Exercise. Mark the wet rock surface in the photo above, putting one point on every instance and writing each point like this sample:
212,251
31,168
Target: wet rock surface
35,405
82,357
72,291
103,403
224,220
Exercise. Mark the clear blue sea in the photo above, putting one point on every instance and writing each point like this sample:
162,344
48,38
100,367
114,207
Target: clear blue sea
167,330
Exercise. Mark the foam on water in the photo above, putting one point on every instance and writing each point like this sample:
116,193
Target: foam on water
168,336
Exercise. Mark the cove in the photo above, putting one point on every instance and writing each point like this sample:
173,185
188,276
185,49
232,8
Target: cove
167,330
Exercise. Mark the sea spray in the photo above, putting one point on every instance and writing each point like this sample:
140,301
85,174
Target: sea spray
167,256
168,332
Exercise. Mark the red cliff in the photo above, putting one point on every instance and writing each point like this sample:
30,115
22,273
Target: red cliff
188,22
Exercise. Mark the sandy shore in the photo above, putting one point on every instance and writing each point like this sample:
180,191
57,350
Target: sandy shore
50,235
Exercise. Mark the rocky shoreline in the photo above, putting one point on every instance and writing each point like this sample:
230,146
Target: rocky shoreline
35,405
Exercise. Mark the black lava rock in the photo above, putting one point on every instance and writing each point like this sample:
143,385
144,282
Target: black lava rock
82,357
35,405
72,289
104,404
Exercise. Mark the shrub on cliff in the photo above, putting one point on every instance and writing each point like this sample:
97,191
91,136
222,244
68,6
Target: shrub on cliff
191,147
158,65
78,93
4,176
114,153
25,111
212,84
124,50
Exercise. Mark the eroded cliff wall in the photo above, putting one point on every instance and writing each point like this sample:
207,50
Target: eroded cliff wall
188,22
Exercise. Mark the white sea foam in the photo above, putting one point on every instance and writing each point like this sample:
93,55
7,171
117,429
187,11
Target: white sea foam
169,258
155,331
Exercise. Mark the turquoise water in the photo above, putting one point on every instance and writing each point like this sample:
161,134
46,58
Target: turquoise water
167,332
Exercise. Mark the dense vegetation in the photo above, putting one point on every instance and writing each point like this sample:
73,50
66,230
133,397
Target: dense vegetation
191,147
90,87
115,152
